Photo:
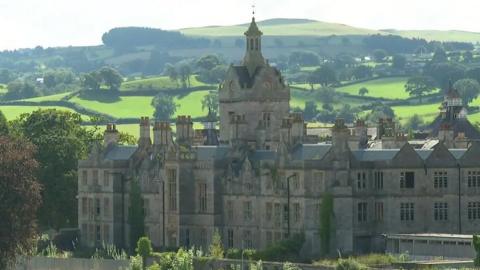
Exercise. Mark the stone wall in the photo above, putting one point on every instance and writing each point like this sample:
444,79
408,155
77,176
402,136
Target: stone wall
45,263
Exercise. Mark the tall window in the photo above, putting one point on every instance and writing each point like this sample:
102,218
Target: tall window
362,212
230,238
256,44
84,206
296,212
378,180
84,178
98,234
146,207
251,44
202,197
473,178
203,237
106,179
97,206
187,237
106,233
296,182
268,211
172,189
440,179
319,182
106,207
407,211
440,211
95,177
247,211
277,214
230,210
407,180
268,238
379,211
247,238
361,180
473,210
266,119
285,213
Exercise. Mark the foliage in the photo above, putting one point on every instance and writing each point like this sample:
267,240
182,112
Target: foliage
325,230
144,249
61,141
379,55
393,44
349,264
154,266
444,73
183,260
290,266
136,263
109,251
171,72
126,139
210,102
324,75
216,247
419,86
310,110
111,78
4,127
468,90
185,72
399,61
20,197
257,266
362,72
136,215
303,58
287,249
476,246
363,91
21,89
164,106
439,56
415,122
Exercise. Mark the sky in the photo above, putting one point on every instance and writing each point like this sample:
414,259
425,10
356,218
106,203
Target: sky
28,23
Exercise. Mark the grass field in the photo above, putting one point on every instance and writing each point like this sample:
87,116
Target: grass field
125,107
160,82
55,97
389,88
299,97
452,35
12,112
428,112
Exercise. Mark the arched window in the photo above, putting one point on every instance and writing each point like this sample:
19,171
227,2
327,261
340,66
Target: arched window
256,44
251,44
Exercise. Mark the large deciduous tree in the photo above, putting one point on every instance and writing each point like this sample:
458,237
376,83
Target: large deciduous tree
164,107
210,102
4,127
61,142
323,75
111,77
468,90
19,197
420,86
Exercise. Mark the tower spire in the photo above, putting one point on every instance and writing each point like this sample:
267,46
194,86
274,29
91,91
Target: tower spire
253,56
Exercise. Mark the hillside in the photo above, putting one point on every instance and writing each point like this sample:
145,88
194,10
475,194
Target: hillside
305,27
282,27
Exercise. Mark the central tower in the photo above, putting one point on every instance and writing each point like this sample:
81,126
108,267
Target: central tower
254,98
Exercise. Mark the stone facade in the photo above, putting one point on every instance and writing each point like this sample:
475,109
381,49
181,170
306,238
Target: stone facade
264,180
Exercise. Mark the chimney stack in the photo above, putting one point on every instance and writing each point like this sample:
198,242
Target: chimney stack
162,133
111,135
185,132
144,132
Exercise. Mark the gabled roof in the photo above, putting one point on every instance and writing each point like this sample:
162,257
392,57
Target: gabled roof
120,152
310,151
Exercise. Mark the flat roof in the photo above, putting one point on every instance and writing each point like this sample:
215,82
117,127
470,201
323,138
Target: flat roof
432,236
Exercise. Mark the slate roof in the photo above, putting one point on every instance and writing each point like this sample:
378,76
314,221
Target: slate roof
310,151
120,152
459,125
215,152
263,155
375,154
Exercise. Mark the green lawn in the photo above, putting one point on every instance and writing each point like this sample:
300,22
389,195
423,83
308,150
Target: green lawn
299,97
125,107
3,88
159,82
191,104
389,88
428,112
452,35
55,97
12,112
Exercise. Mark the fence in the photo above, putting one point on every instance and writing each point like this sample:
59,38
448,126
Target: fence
45,263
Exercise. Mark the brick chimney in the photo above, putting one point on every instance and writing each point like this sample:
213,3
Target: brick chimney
185,132
162,133
144,139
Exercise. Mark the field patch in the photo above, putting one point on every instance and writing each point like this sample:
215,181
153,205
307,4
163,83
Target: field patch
55,97
388,88
159,82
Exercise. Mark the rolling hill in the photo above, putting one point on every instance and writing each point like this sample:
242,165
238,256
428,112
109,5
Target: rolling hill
306,27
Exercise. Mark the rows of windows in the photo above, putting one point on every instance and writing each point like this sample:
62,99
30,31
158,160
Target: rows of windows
378,180
407,211
172,189
407,180
440,179
93,207
361,180
95,179
473,178
440,211
96,233
473,209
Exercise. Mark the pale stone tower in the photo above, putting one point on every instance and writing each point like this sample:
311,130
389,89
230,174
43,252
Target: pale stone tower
253,91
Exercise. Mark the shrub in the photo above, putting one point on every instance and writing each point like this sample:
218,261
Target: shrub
154,266
349,264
